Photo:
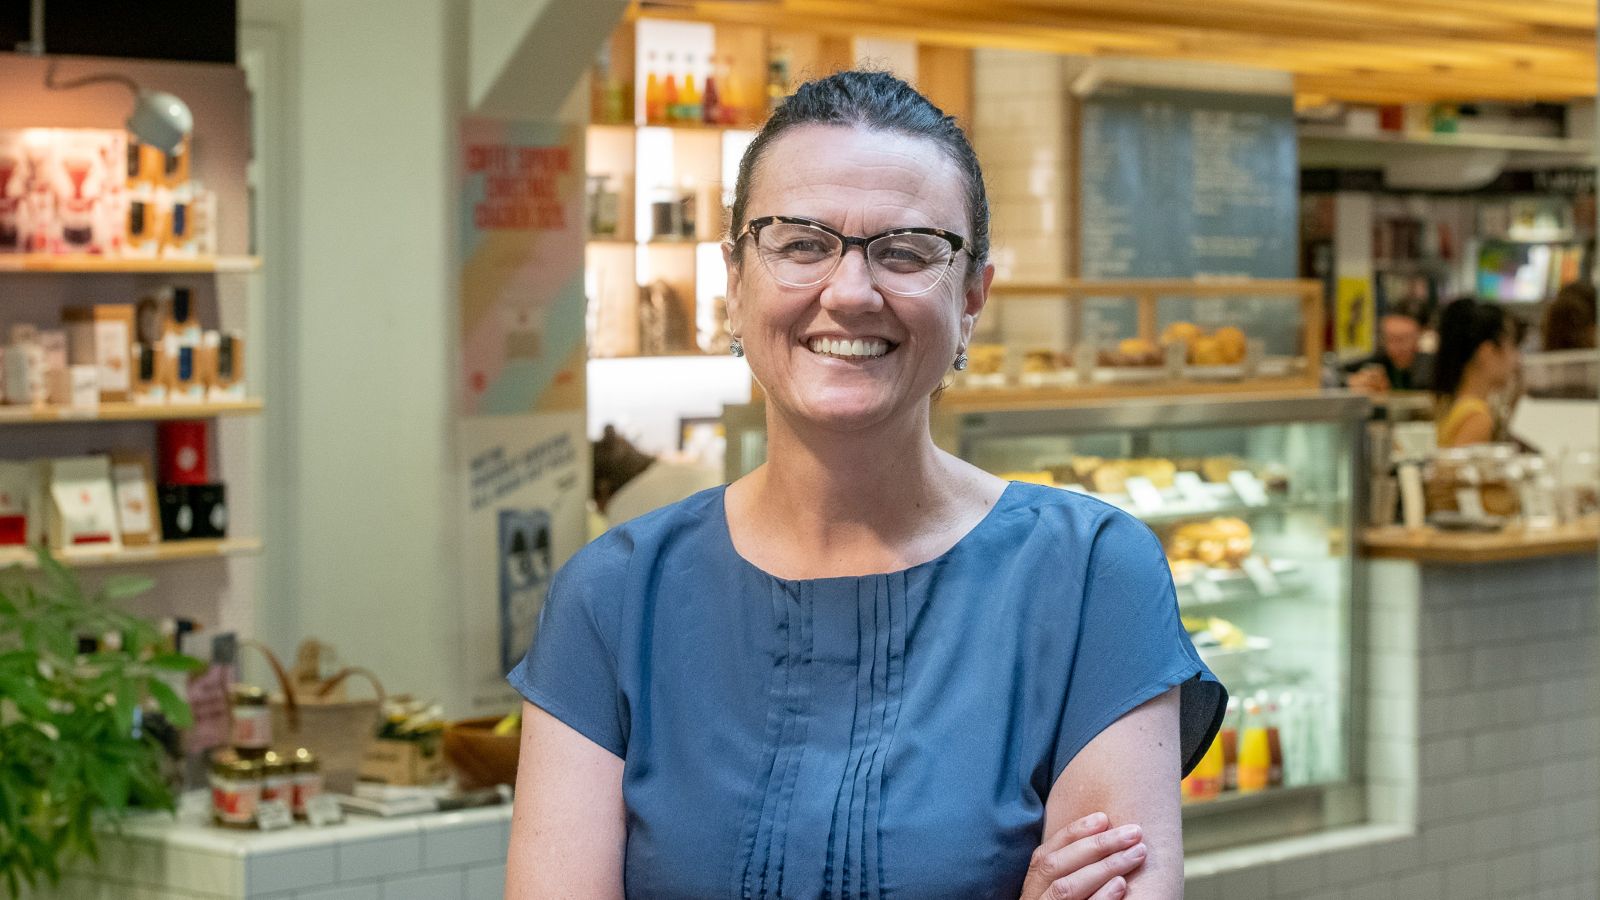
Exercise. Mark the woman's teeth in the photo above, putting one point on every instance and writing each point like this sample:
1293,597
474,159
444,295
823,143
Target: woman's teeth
849,349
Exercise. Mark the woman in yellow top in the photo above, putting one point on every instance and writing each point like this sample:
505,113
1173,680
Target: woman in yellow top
1477,358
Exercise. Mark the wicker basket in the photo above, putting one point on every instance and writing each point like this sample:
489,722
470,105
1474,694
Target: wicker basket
318,718
479,757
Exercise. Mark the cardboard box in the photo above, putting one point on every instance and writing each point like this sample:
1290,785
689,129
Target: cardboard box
102,335
411,762
83,508
137,514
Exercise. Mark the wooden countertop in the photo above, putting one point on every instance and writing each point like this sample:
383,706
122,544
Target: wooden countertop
1433,546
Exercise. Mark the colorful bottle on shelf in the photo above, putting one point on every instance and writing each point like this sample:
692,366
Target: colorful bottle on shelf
1274,748
655,97
689,97
1255,751
1229,738
732,98
711,100
669,92
777,81
1205,781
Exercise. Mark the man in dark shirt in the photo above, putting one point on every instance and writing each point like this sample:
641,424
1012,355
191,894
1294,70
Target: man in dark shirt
1398,365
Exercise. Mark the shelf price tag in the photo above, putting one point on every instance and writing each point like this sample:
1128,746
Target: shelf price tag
324,809
1470,501
1146,496
1194,490
1261,574
1205,590
1249,488
272,815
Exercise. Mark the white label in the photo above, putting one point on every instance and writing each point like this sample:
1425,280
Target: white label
1255,350
1412,499
112,344
1470,502
272,815
1177,354
1249,488
1205,590
323,810
1146,496
1261,574
134,506
1194,490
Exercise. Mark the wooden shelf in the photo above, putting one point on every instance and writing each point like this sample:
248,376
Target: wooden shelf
1430,545
1458,140
114,265
126,412
167,551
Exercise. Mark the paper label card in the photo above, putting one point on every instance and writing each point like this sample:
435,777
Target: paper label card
1249,488
1261,574
1194,490
323,810
1470,502
1145,495
1205,590
272,815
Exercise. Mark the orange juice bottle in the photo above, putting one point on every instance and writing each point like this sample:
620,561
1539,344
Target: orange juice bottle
1255,751
655,99
689,98
669,92
1205,781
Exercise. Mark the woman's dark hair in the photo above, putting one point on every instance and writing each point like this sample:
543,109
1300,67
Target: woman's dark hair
1464,326
878,101
1570,319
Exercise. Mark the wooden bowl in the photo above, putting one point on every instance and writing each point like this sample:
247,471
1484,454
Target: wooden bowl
480,757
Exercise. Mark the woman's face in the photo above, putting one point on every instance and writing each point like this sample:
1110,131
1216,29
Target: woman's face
1501,358
861,183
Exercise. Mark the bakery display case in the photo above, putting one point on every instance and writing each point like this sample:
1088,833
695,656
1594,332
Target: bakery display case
1253,498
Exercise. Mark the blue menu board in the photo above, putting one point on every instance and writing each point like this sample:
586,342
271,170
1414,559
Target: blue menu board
1186,184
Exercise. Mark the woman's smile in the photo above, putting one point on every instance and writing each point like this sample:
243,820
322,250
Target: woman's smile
856,350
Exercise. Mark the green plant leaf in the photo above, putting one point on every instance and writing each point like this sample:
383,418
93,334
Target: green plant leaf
110,783
178,662
124,587
175,708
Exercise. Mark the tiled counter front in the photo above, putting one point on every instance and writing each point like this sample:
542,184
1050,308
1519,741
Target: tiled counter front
449,856
1483,746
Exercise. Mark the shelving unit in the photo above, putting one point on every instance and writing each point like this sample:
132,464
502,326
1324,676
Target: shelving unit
125,265
125,412
171,551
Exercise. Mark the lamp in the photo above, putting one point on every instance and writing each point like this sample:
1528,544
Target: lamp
158,118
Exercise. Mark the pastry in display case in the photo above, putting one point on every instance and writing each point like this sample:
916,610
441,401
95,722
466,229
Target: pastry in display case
1251,498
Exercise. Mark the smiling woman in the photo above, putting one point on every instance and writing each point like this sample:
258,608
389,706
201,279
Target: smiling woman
867,667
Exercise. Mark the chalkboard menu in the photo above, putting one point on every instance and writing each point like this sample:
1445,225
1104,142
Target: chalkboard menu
1186,184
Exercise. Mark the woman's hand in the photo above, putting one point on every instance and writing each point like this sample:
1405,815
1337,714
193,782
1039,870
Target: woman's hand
1084,861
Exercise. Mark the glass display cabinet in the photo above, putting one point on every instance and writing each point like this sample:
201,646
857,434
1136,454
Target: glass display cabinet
1253,499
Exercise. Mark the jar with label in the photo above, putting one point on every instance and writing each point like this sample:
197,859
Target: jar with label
307,780
1500,480
1539,493
277,779
252,721
236,785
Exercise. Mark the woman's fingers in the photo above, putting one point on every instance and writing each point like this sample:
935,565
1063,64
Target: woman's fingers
1115,889
1093,823
1084,868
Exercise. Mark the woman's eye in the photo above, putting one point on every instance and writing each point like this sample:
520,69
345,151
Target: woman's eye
802,247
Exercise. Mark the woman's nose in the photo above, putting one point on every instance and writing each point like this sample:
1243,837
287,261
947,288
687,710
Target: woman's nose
850,287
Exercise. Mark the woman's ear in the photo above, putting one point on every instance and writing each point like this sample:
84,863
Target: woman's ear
732,294
976,297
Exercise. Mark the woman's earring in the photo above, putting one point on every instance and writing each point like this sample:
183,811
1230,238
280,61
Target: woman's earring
736,347
961,362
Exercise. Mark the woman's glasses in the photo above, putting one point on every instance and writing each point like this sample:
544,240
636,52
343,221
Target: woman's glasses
800,253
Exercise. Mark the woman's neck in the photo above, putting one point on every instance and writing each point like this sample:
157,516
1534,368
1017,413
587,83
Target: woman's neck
888,480
1475,383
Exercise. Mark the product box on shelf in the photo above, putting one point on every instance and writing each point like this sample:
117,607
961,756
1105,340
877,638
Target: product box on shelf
25,376
62,190
417,761
83,510
193,511
183,449
21,504
102,336
136,498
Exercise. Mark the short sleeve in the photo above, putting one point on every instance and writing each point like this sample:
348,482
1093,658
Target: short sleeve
1132,647
570,671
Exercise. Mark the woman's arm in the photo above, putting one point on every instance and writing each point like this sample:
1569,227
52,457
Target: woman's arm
1131,772
567,826
1478,428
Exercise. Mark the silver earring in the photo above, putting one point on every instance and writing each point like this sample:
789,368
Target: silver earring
961,362
736,347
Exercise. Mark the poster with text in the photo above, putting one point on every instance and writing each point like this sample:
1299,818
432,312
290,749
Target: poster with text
522,244
1353,317
525,482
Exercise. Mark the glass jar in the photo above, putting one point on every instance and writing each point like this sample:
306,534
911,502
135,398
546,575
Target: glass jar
1578,484
1500,476
236,785
277,779
1540,494
251,732
307,780
1447,473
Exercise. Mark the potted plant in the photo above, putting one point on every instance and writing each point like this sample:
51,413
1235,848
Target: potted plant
74,744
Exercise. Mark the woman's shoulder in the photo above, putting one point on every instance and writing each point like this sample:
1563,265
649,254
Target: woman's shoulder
649,533
1077,522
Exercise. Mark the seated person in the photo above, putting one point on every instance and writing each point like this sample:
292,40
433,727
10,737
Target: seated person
1400,364
629,482
1569,320
1478,359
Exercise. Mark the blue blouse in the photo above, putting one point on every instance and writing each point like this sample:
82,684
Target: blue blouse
889,735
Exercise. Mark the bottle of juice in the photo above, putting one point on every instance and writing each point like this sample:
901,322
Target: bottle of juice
1274,748
1255,751
733,100
1229,738
711,101
669,92
1205,781
689,97
655,98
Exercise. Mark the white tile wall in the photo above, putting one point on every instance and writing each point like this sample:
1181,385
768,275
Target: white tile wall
1502,722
